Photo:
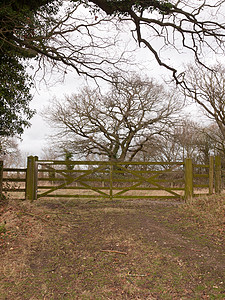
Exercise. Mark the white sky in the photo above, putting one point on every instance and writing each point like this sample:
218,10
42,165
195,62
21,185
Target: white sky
34,138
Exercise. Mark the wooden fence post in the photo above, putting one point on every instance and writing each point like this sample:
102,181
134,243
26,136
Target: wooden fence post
1,178
188,179
218,175
111,181
31,178
211,174
35,177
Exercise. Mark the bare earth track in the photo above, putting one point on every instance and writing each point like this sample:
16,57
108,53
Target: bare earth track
80,249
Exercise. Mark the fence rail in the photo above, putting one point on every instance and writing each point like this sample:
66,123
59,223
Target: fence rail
114,180
13,180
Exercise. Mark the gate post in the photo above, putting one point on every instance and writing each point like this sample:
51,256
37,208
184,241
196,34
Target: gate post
31,178
217,174
111,181
188,193
1,179
211,174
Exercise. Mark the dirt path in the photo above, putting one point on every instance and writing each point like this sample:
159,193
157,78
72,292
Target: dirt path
109,250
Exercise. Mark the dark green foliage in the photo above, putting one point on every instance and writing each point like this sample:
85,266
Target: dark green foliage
140,5
30,5
124,7
14,96
17,22
20,27
68,158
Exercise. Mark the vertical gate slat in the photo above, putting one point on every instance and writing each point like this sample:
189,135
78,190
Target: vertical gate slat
1,178
211,174
188,179
218,174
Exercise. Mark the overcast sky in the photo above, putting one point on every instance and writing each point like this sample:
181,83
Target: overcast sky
35,138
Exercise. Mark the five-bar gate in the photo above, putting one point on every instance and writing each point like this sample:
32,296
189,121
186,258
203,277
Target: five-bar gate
112,179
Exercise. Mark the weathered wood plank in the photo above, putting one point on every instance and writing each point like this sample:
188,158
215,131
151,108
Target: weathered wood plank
188,179
1,178
218,178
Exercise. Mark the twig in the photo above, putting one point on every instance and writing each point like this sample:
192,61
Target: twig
137,275
115,251
128,279
52,270
58,217
35,216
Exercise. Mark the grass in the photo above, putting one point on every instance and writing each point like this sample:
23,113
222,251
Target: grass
208,213
79,249
2,229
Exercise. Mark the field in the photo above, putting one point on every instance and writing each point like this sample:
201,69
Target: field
130,249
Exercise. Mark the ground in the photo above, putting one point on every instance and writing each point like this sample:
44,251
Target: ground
80,249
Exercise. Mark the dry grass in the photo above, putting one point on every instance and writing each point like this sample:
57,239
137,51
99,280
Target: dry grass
131,193
209,209
22,231
52,249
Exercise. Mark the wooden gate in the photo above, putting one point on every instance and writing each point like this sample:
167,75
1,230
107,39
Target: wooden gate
114,180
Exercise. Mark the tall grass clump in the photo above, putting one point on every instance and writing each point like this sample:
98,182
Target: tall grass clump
208,211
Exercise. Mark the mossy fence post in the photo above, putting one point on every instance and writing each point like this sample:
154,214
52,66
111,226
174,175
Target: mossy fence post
111,181
1,178
31,178
218,180
188,191
211,174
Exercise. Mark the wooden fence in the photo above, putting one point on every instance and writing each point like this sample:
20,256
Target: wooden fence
12,180
113,180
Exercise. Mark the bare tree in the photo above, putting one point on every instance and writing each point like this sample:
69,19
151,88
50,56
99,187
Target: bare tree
61,35
186,138
195,26
43,29
183,139
117,124
207,88
216,139
9,151
48,152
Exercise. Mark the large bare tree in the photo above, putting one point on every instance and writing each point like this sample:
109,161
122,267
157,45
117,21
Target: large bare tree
116,124
207,88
